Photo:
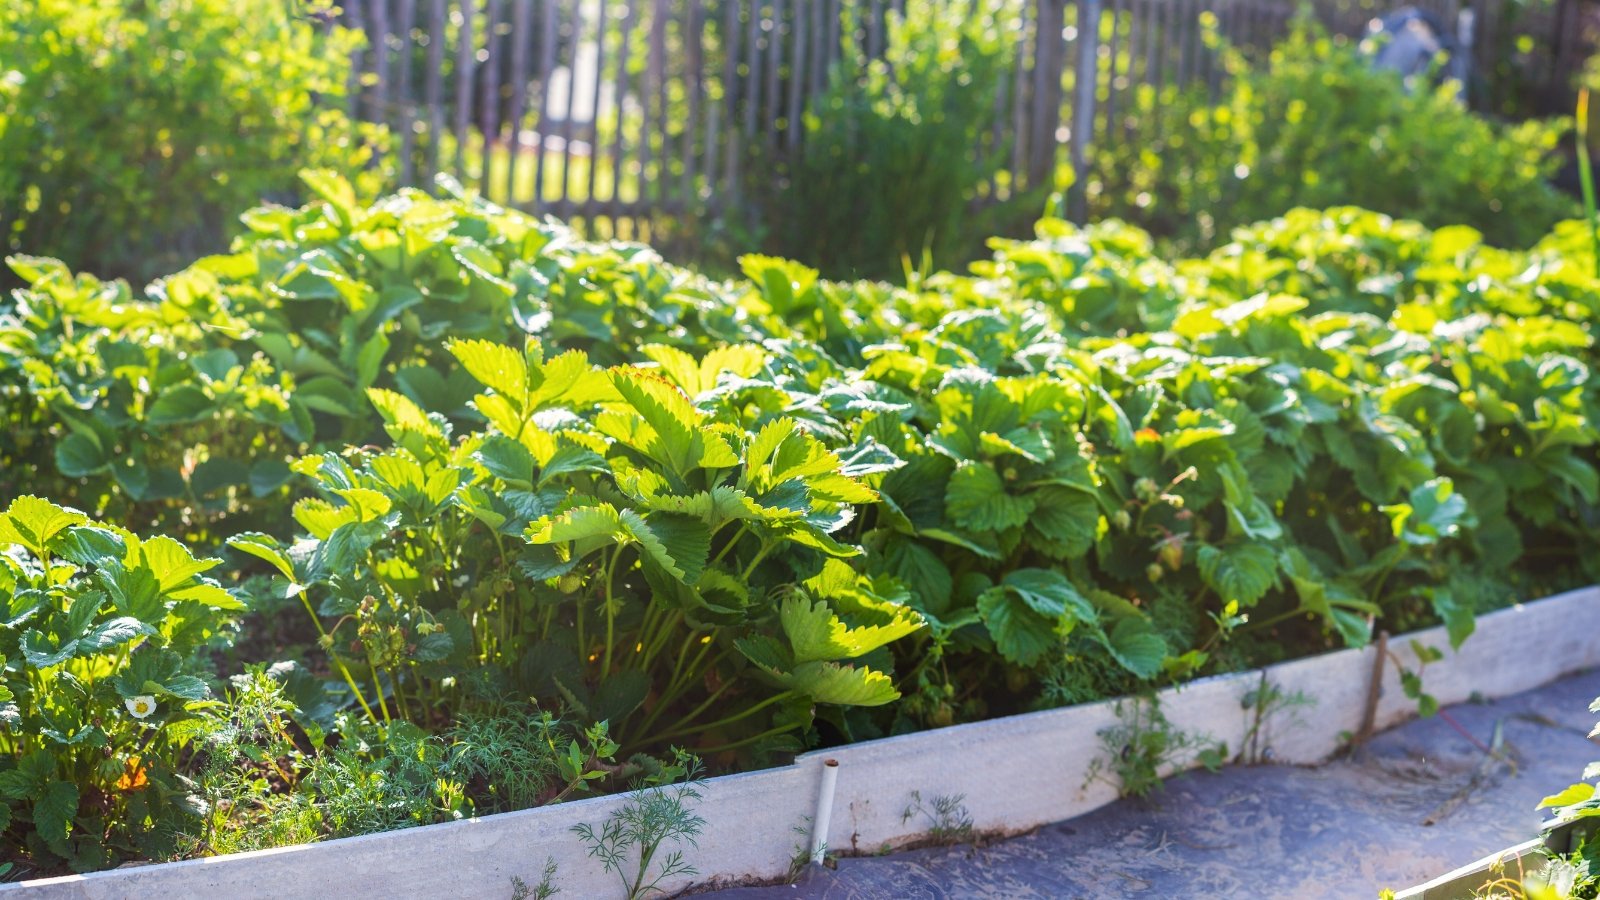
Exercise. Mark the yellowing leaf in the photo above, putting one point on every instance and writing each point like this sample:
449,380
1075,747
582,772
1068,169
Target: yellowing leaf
171,562
32,522
496,366
816,633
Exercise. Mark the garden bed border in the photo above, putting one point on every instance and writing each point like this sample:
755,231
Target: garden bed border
1013,774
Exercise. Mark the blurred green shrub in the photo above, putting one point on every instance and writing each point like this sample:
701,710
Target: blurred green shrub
897,148
1316,127
132,131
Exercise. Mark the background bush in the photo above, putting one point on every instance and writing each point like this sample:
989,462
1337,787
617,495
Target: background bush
894,152
1315,126
133,131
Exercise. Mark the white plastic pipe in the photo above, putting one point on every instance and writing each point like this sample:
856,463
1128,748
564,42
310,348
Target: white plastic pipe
824,816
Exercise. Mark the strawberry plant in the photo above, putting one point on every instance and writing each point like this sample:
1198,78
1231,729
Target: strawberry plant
506,473
603,545
96,692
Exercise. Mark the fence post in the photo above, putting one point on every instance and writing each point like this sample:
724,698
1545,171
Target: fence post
1083,90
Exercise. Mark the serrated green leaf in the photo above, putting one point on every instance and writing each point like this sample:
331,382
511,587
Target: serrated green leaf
1436,512
181,404
568,460
679,544
1065,521
1241,573
33,523
1021,634
172,563
1136,646
78,456
841,685
54,809
816,633
669,414
112,633
498,367
976,500
266,548
210,595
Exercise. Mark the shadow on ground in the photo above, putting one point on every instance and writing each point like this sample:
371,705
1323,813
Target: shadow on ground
1414,803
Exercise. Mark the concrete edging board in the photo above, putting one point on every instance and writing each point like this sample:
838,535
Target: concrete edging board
1013,774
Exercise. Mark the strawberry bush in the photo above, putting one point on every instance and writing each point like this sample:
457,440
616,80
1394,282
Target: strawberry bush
491,469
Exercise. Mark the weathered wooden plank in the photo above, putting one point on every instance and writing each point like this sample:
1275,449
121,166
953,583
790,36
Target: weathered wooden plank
1113,66
516,114
489,99
466,61
379,94
1128,85
875,29
1083,101
596,156
433,90
543,116
619,144
653,133
574,35
1020,97
356,15
694,85
752,81
1049,57
797,77
819,48
770,108
723,192
405,103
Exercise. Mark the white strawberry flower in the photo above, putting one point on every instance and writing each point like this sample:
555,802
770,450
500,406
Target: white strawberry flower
141,706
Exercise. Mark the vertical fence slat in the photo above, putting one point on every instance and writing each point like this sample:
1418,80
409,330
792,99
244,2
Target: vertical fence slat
797,78
406,109
875,30
619,156
1019,99
517,115
1048,58
1114,61
433,92
489,98
543,124
728,44
378,111
652,186
1187,31
819,49
658,67
770,106
694,87
1083,103
596,158
355,11
835,31
1127,89
466,60
752,80
574,34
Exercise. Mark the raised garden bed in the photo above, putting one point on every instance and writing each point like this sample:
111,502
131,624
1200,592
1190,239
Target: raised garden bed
757,824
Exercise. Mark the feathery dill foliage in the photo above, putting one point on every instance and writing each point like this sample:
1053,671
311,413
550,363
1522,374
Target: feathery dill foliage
640,842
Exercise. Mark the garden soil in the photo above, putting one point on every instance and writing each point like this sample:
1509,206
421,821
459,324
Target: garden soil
1411,804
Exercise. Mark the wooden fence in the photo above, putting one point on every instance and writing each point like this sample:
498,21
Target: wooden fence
623,113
